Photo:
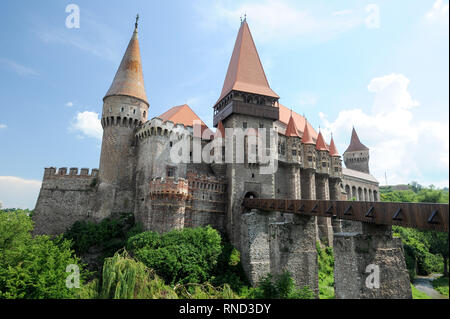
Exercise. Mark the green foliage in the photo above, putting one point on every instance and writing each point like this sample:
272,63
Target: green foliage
441,285
109,236
126,278
417,294
278,287
425,251
326,272
33,267
179,256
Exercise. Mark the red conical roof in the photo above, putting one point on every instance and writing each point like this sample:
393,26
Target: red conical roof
245,71
320,143
291,129
307,135
333,149
355,143
129,79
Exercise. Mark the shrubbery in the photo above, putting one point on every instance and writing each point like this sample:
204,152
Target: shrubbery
326,272
33,267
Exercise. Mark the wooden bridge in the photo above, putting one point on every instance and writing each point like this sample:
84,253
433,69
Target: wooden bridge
423,216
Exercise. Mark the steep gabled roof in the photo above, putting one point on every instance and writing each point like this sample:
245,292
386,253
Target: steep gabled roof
355,144
245,71
307,135
129,79
333,149
320,143
291,129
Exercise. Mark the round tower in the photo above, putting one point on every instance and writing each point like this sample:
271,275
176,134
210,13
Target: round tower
356,156
125,107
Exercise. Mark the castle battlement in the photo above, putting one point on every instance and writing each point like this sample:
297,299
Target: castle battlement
169,186
159,127
53,173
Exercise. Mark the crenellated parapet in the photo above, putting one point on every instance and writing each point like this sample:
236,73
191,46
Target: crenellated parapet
62,172
169,188
159,127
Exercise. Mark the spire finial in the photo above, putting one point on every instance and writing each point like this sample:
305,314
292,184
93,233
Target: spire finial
136,23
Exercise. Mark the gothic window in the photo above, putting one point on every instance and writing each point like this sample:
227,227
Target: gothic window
110,110
324,164
294,152
122,109
244,124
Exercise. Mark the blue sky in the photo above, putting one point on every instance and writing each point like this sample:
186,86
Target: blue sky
379,65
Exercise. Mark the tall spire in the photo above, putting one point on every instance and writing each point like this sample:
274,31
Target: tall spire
291,129
129,79
245,71
307,135
320,143
333,149
355,143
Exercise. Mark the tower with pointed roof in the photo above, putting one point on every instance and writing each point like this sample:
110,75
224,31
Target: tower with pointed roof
356,156
125,107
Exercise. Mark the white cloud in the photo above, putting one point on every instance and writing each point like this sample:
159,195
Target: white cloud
18,68
16,192
69,104
3,126
438,11
87,123
402,145
283,20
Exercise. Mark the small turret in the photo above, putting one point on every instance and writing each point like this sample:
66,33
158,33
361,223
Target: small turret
294,146
356,156
335,161
323,156
309,148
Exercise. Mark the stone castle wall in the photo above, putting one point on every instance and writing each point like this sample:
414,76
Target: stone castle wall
65,197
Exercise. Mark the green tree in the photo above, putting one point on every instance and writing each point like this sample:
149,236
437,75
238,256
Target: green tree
33,267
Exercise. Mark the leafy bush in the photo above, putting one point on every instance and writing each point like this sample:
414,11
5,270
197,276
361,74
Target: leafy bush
179,256
326,272
110,234
278,287
33,267
441,285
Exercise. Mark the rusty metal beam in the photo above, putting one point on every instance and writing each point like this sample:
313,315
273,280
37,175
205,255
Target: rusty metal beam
416,215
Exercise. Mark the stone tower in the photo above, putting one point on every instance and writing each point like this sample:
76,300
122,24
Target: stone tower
125,107
246,104
356,156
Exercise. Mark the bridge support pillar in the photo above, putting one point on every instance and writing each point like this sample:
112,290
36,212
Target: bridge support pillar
370,265
293,248
255,250
324,227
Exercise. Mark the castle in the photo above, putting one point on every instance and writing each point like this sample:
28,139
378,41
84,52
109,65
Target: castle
138,174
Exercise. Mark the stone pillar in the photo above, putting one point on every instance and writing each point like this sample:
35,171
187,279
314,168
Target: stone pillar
293,248
324,228
360,259
255,250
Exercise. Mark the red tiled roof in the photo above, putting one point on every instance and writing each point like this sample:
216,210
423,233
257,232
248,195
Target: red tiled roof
291,129
307,135
333,149
245,71
181,114
355,143
320,143
285,115
129,79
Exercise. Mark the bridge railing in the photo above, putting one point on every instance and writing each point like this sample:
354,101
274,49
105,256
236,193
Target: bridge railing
426,216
